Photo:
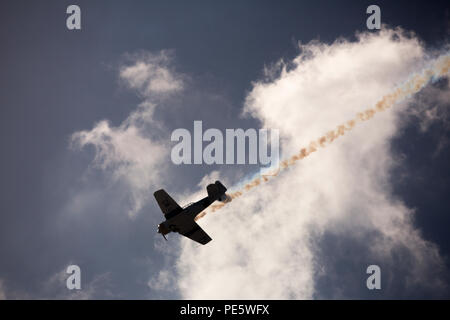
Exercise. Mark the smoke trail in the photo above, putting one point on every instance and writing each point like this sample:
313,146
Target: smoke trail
440,67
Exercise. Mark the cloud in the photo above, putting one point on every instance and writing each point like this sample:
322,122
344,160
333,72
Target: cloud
130,152
55,287
132,157
273,243
163,281
152,74
431,107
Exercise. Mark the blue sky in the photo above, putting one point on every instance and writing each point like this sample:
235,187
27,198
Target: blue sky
60,206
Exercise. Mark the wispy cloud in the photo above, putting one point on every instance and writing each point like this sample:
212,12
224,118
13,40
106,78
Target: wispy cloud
152,74
55,287
129,151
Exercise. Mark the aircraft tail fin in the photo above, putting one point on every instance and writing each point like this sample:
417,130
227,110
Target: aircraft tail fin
216,191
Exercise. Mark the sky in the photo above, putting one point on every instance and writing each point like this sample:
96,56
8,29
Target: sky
87,117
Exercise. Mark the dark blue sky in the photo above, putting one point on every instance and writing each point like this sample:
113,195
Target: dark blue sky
55,82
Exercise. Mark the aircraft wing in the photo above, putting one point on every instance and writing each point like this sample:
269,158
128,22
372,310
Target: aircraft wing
165,202
197,234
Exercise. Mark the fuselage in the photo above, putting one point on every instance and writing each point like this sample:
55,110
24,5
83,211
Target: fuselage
178,218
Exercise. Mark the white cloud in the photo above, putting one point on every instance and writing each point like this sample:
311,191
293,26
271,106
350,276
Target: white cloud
163,281
131,154
264,243
132,157
151,74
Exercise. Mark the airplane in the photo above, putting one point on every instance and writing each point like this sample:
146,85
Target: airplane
181,220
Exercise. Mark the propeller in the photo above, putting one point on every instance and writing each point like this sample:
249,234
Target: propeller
162,233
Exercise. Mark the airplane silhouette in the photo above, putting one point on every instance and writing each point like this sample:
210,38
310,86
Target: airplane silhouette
181,220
